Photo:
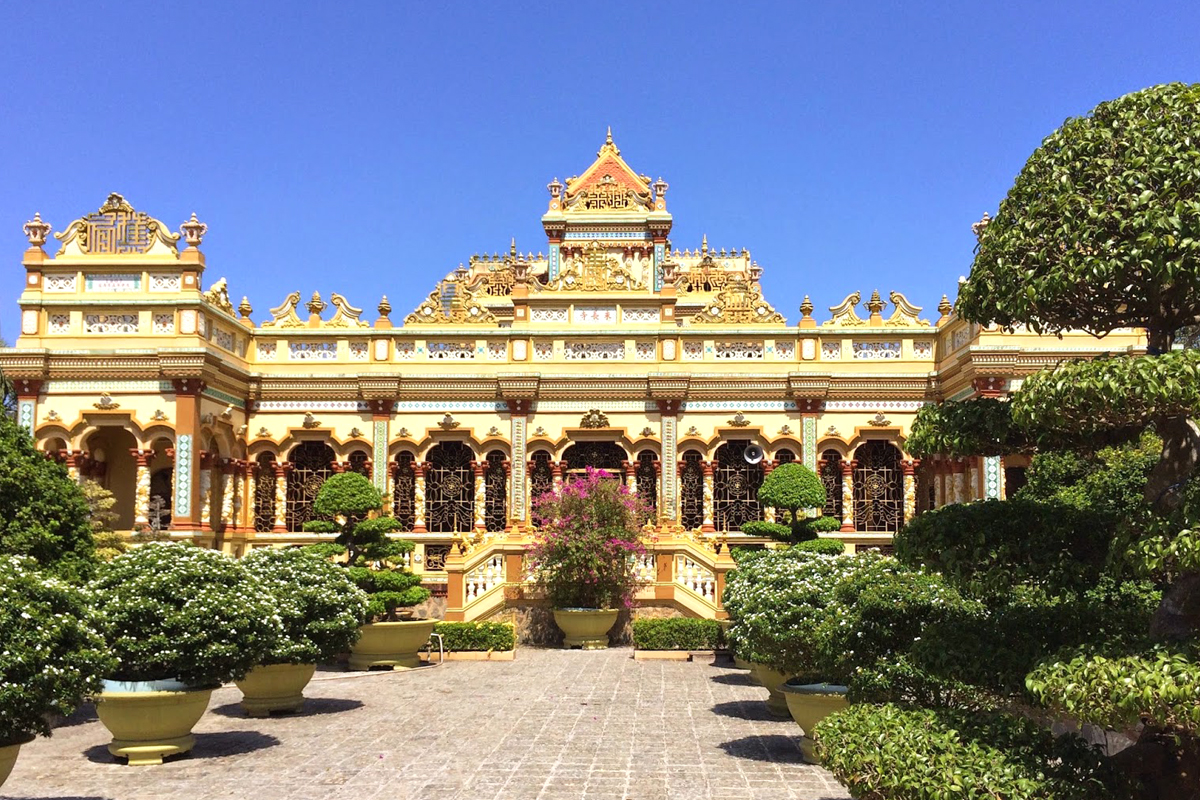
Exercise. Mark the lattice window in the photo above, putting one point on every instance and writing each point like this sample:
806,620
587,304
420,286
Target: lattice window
735,487
739,351
831,351
878,491
450,489
541,476
693,351
876,350
164,323
312,351
496,480
435,557
784,456
61,323
594,351
607,456
450,351
360,462
359,351
691,491
831,476
647,479
312,463
403,490
264,494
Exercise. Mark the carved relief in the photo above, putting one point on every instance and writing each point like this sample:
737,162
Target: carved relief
594,270
116,229
218,295
906,314
844,315
284,315
594,419
741,303
347,316
451,303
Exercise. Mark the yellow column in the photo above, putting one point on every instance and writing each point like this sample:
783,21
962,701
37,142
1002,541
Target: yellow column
848,495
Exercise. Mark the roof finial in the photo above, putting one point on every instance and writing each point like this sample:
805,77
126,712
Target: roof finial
512,247
608,138
704,243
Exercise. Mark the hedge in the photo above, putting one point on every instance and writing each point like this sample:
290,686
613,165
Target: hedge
826,547
677,633
477,636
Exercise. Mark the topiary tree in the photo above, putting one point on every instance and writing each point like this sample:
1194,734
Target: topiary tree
43,514
108,543
372,554
792,488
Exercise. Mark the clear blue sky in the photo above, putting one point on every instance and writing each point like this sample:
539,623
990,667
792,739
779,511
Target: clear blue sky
368,148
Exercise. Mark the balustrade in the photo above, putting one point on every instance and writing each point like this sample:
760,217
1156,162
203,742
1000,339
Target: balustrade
484,577
694,576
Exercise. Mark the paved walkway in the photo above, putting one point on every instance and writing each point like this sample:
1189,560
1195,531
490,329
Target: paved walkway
551,725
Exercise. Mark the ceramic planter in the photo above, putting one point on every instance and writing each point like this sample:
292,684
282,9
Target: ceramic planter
8,757
390,644
149,723
771,680
809,703
585,627
275,687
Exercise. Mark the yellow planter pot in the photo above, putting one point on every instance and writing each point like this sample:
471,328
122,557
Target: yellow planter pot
812,702
146,726
585,627
8,757
275,687
741,663
771,680
390,644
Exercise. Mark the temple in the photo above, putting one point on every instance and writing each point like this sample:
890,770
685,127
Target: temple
613,348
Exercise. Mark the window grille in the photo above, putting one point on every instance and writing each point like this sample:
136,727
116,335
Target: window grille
496,480
264,494
403,491
312,463
647,479
541,476
450,489
359,463
691,491
607,456
878,492
735,487
831,476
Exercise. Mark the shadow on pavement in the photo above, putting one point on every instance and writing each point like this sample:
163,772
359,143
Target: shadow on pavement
312,706
745,709
208,745
734,679
775,748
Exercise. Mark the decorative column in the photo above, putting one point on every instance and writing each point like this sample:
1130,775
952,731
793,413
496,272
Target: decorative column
389,497
630,476
141,492
668,492
556,470
27,396
709,498
381,417
993,478
419,469
253,469
909,468
74,459
206,464
958,491
810,409
282,468
186,484
480,469
769,512
848,495
229,492
939,491
972,480
518,489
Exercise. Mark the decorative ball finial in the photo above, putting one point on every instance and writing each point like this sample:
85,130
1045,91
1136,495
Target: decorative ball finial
704,243
384,307
193,231
512,247
316,305
244,308
875,305
945,307
806,307
36,230
978,228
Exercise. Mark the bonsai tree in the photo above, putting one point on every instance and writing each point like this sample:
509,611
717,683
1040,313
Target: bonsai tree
371,554
51,655
108,543
173,611
585,544
320,607
43,514
792,488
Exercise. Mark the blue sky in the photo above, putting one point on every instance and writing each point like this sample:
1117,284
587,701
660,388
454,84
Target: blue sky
368,148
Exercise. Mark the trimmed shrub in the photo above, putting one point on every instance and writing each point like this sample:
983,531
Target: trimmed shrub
791,487
823,524
173,611
319,605
825,547
459,637
676,633
769,530
51,655
889,752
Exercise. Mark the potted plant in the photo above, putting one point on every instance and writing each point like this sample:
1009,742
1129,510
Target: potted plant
181,621
372,559
583,555
321,609
51,656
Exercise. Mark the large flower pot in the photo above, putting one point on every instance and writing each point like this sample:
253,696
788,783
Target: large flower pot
809,703
741,663
390,644
8,757
148,723
772,680
585,627
275,687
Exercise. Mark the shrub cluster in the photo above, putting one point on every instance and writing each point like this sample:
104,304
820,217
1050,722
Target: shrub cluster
677,633
461,637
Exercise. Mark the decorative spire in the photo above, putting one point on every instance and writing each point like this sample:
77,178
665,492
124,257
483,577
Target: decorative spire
704,244
806,308
945,307
193,231
978,228
384,307
512,247
316,305
875,305
555,188
36,230
244,308
608,145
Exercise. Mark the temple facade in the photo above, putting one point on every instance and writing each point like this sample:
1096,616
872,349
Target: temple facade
613,348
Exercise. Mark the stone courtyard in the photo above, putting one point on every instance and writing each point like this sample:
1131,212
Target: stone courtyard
552,724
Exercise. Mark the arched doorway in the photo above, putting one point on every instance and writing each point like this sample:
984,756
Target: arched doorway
496,481
450,488
404,489
691,490
831,476
735,487
264,493
312,464
878,488
115,468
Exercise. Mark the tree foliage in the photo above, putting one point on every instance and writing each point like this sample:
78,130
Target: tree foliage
980,427
791,487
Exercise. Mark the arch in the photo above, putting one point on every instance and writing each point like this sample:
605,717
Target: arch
646,475
450,488
691,490
264,493
830,467
878,487
312,464
607,456
784,455
113,466
495,479
735,487
541,474
360,462
404,489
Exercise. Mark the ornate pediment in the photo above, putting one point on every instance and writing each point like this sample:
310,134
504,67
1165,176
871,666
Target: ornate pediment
284,315
906,314
844,315
594,270
451,303
117,229
608,185
739,303
347,316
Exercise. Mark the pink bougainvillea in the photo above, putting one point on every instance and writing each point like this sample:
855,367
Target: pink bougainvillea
586,542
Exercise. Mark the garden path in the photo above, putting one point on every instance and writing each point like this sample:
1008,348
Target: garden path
550,725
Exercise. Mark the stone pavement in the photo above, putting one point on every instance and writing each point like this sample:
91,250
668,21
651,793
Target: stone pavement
552,725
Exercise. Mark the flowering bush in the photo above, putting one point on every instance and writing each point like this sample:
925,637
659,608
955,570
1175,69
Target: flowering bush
175,611
371,552
319,604
586,542
50,653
